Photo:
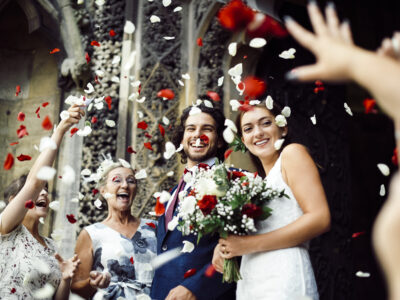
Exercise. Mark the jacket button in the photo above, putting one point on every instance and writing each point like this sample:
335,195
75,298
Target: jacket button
164,247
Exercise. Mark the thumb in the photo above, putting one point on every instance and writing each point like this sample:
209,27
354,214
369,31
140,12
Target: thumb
58,257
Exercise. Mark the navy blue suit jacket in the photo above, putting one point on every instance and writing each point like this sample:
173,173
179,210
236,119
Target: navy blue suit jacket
170,275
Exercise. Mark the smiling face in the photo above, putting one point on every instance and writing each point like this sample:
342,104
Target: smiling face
195,127
259,132
119,189
41,207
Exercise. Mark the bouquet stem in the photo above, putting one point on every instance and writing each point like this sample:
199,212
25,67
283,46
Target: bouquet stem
231,271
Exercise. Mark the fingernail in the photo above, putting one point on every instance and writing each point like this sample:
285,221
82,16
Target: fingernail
346,22
287,19
312,2
331,5
291,75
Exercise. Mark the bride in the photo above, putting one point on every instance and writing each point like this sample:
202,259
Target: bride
275,261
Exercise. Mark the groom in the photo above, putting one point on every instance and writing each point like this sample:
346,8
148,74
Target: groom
169,280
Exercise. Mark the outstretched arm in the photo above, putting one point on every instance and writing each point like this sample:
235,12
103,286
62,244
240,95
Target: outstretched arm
68,268
15,211
339,59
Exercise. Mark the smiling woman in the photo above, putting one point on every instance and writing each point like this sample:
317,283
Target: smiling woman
116,253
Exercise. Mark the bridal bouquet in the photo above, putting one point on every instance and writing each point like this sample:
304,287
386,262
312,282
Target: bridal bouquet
224,201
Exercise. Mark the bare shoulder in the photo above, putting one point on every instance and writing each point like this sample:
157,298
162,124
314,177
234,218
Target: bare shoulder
293,152
83,240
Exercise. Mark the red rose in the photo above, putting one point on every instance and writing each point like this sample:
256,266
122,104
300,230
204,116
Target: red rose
251,210
236,174
203,166
207,204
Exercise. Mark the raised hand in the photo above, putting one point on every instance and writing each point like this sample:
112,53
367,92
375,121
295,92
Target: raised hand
99,279
391,47
75,114
68,267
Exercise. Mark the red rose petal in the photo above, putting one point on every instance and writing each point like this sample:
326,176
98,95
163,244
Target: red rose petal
17,90
166,93
395,157
210,271
130,150
369,105
21,116
268,27
95,43
55,50
112,33
189,273
142,125
357,234
245,107
29,204
159,208
254,87
318,83
149,136
21,131
73,131
13,290
71,218
37,110
45,104
23,157
108,101
204,138
227,153
152,225
94,120
148,146
162,130
235,15
131,260
46,124
8,163
213,95
14,143
199,41
95,191
87,57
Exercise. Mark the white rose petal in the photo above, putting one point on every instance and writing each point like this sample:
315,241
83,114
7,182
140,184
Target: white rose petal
288,54
178,8
313,119
100,73
384,169
166,3
86,172
68,175
168,38
54,205
382,191
169,150
110,123
141,100
89,88
115,79
187,247
194,111
234,104
124,163
170,173
141,174
46,173
98,204
348,109
254,102
64,115
280,121
186,76
173,223
208,103
188,206
165,257
136,83
363,274
232,49
236,79
230,124
47,143
154,19
99,105
164,197
278,144
221,81
47,291
257,43
165,121
236,70
129,27
179,148
130,61
286,111
85,132
187,177
116,60
269,102
228,135
181,83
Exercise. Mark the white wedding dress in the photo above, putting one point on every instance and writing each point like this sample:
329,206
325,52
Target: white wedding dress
284,274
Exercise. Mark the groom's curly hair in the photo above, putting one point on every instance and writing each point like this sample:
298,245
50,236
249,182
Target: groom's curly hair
219,119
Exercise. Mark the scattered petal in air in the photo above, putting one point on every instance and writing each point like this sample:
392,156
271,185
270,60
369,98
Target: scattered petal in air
168,38
163,197
14,143
162,130
221,81
348,109
384,169
286,111
363,274
234,104
44,104
130,150
254,102
213,96
21,131
254,86
115,79
112,32
208,103
382,190
169,150
71,218
173,223
95,43
230,124
166,3
180,148
55,50
68,175
116,60
165,257
228,135
166,94
263,25
8,163
357,234
142,125
369,105
29,204
154,19
17,90
159,209
110,123
89,88
93,120
187,247
54,205
236,70
278,144
141,100
210,271
257,43
199,41
46,173
148,146
47,143
100,2
99,106
189,273
186,76
288,54
170,173
194,110
108,100
178,8
46,292
232,49
73,131
87,57
181,83
227,153
235,15
280,121
124,163
98,204
129,27
141,174
23,157
46,124
86,131
21,116
313,119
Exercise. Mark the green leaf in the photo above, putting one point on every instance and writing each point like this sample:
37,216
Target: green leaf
237,145
266,213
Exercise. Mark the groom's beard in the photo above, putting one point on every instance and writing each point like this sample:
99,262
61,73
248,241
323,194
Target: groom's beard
211,152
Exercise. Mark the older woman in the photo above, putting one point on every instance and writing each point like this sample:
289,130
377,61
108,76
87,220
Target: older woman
116,253
29,265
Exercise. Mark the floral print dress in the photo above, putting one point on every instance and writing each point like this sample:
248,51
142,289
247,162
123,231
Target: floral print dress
26,266
127,260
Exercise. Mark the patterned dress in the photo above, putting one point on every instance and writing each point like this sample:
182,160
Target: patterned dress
127,260
26,266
